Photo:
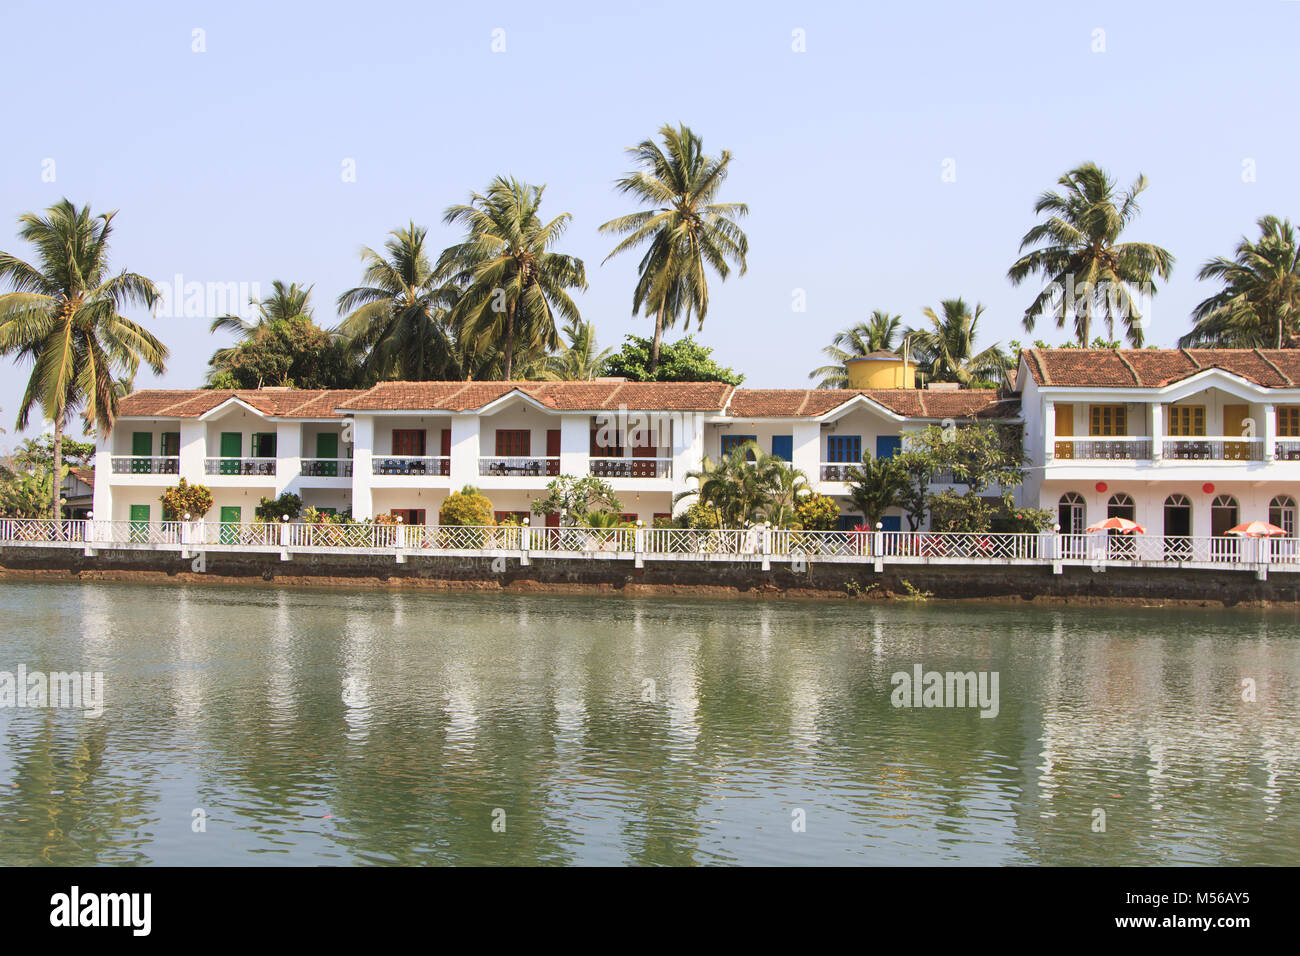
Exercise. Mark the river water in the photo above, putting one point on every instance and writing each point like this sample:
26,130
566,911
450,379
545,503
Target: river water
278,726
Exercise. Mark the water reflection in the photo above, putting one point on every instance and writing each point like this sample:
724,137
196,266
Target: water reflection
322,726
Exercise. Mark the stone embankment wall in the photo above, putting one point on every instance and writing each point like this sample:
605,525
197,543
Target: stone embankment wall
1077,585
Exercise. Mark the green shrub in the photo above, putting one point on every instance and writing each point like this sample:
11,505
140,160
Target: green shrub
274,509
469,506
185,499
816,512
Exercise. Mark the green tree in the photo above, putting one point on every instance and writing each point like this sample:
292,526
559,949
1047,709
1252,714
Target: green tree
784,489
682,361
918,468
1077,247
738,486
685,229
580,360
573,498
877,334
288,505
398,322
946,351
293,353
26,493
514,283
64,317
875,486
39,452
1259,304
291,302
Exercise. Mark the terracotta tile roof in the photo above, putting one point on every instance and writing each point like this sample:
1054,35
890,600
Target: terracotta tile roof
561,396
1155,368
910,403
84,475
193,402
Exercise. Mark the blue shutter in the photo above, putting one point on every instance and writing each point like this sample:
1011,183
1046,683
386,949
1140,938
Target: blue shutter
887,446
845,448
731,442
891,523
783,447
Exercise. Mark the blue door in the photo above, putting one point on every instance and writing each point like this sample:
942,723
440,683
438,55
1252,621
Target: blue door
891,523
844,448
887,446
783,447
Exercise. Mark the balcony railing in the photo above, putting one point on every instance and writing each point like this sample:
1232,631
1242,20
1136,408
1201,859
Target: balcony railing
1287,449
525,467
239,466
148,465
410,465
837,470
630,467
1117,448
1214,448
326,468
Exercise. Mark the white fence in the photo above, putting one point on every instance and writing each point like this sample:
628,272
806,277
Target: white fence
757,544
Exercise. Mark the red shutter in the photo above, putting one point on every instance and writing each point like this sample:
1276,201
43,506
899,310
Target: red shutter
553,451
445,451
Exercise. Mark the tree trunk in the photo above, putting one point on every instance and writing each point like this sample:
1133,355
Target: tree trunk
654,348
510,340
57,478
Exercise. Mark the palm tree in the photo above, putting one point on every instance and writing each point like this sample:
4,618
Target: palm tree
877,334
785,486
513,283
1083,265
685,229
946,351
285,302
399,319
739,485
64,316
580,361
1259,305
876,485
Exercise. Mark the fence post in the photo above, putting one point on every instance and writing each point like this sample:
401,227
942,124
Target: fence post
878,546
525,542
638,544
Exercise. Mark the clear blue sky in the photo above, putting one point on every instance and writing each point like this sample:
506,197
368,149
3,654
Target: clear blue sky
226,165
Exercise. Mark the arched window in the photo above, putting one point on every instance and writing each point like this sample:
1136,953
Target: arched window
1071,512
1223,515
1281,512
1121,506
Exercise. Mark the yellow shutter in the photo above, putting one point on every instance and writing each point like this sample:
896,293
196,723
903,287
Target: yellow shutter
1065,429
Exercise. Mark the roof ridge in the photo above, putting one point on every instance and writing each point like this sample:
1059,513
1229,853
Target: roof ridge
731,393
1269,362
1191,358
807,397
1129,365
920,400
1042,366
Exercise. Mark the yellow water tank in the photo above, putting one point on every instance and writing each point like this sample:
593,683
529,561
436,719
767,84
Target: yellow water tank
879,370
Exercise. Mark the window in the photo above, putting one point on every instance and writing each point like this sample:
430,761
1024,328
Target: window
1070,513
1281,512
606,443
1288,421
1104,420
263,445
1186,420
1223,515
846,448
1121,506
408,441
731,442
409,515
514,443
171,444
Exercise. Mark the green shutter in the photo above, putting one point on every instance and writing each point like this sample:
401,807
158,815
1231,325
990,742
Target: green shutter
232,446
142,445
327,447
139,527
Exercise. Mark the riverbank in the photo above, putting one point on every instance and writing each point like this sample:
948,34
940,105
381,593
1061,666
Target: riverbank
707,579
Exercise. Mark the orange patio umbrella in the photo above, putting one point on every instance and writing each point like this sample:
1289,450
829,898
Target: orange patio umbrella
1257,529
1122,525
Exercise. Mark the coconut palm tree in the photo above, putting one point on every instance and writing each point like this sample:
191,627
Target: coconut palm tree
740,485
1259,304
284,302
877,334
1085,268
875,486
685,229
946,351
580,361
514,284
398,321
64,316
785,486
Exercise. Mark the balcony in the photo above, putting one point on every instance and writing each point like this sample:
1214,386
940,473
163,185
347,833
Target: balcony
1118,448
837,470
239,466
524,467
630,467
155,465
410,465
1287,449
1214,448
326,468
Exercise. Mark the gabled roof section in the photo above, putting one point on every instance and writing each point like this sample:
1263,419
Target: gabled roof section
984,403
1157,368
558,396
197,402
